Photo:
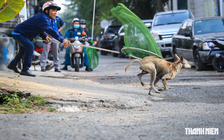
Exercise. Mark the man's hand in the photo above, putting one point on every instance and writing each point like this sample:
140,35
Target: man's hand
66,43
48,39
59,30
86,39
72,39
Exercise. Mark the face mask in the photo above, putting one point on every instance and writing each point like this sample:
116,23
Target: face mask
76,26
83,26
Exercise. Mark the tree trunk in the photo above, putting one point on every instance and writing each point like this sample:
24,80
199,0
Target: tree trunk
159,6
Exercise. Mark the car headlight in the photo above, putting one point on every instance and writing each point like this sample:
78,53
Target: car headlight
155,36
207,45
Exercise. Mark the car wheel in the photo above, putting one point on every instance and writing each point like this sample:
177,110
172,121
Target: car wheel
218,65
103,52
121,55
115,55
199,66
174,57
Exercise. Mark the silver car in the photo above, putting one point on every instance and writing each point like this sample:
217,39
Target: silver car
165,25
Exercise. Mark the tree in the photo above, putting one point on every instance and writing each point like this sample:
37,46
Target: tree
9,9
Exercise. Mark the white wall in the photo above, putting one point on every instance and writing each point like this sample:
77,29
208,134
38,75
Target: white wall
23,12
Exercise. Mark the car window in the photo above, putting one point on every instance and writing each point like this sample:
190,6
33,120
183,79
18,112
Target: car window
122,30
171,18
189,27
113,29
148,25
183,28
208,26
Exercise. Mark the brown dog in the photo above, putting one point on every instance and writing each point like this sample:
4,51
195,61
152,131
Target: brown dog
159,68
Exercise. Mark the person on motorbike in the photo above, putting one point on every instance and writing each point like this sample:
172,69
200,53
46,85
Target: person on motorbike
83,26
28,30
75,31
54,46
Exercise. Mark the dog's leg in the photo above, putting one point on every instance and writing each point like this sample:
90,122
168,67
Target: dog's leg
152,80
156,81
140,77
164,81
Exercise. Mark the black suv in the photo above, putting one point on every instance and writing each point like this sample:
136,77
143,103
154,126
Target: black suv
108,35
196,38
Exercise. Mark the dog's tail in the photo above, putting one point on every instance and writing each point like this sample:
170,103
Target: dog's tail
132,62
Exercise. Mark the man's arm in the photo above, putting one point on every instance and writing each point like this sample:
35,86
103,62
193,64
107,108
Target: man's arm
45,26
62,27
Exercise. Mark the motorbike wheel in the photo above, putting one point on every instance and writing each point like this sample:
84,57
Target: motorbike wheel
199,66
218,65
77,64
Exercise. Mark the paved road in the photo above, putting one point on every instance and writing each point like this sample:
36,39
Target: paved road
111,104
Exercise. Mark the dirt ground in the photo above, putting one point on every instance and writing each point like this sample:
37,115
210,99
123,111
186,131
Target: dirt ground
111,104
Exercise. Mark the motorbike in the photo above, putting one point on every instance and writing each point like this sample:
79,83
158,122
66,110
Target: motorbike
218,60
36,61
77,54
37,56
39,48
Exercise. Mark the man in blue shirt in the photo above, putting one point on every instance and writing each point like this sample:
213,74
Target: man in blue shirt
28,30
54,45
60,23
75,31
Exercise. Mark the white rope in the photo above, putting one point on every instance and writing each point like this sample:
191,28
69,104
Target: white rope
117,51
87,46
141,50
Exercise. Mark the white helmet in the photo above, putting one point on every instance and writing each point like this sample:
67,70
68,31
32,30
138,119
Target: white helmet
75,19
50,4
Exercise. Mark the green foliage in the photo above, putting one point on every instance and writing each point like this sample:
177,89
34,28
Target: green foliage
10,9
144,9
15,104
51,109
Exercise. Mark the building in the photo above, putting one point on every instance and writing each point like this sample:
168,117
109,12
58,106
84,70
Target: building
200,8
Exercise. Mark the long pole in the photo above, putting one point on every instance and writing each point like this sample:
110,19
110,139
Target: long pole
94,4
87,47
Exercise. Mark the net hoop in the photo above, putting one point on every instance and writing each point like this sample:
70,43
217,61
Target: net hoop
132,48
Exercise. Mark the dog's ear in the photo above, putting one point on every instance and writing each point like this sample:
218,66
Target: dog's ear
181,58
177,56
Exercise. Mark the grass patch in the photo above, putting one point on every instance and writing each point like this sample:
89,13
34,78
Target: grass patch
17,103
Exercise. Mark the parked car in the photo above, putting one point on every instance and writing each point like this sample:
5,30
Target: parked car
195,39
119,38
148,23
165,25
108,35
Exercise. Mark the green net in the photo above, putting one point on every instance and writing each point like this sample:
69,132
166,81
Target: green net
92,56
138,40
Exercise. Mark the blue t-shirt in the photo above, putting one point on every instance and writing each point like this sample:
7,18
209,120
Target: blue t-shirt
53,24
